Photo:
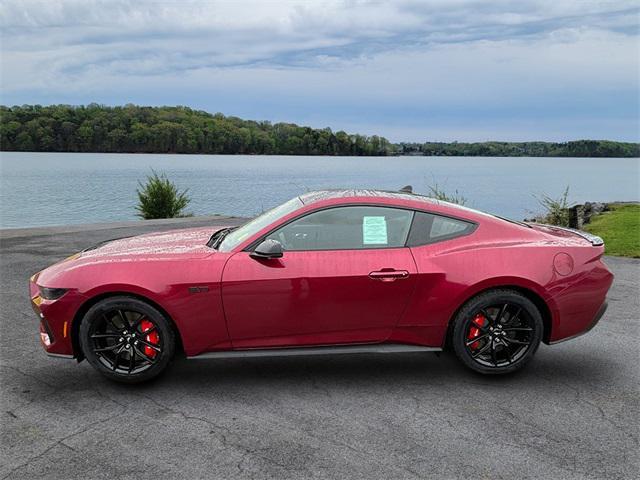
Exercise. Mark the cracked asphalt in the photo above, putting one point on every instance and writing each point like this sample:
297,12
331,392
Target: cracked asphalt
573,413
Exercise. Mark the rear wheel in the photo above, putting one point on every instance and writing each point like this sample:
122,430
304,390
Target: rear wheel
497,332
127,339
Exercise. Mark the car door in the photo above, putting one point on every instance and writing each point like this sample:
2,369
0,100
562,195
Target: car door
345,277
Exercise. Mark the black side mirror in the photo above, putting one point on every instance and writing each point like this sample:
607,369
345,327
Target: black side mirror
268,249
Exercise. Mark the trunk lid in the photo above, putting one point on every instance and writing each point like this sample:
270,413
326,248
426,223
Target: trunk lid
570,235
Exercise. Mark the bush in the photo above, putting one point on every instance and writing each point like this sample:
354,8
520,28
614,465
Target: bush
160,198
556,209
439,194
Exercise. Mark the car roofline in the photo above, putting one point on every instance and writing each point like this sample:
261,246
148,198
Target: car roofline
316,196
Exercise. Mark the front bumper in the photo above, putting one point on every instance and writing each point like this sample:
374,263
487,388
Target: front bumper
56,317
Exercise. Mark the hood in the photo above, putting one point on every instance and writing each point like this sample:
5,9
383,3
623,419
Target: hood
189,242
174,244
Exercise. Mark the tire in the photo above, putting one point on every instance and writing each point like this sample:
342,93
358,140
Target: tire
497,332
127,339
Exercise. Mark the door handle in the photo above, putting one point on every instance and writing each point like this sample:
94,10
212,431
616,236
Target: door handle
388,275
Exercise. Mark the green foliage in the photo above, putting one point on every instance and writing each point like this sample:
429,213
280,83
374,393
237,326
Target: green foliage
435,191
619,228
579,148
160,198
134,129
556,210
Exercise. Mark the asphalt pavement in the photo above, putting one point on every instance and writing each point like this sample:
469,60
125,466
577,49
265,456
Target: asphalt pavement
572,413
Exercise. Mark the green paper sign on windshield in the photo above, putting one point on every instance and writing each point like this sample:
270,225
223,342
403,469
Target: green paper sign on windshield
374,231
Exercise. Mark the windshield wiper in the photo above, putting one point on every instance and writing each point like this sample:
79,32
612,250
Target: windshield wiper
218,236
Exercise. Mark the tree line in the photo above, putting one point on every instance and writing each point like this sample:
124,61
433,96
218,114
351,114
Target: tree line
578,148
136,129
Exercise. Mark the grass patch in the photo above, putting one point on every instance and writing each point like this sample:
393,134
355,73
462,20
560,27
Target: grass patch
619,228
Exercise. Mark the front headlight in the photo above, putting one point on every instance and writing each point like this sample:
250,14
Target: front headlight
52,293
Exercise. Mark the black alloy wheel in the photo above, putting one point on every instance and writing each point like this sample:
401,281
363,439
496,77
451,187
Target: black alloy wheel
126,339
497,332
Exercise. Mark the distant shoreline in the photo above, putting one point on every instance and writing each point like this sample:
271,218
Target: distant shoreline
180,130
306,155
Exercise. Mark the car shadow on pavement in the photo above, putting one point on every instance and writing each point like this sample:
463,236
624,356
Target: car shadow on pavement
374,371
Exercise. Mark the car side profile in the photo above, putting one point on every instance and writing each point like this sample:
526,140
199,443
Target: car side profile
335,271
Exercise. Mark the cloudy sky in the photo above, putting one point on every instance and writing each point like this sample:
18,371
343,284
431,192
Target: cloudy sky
409,70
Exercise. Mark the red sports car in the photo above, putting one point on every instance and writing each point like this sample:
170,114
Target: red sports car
343,271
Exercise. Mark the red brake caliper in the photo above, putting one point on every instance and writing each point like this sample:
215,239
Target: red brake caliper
474,332
153,338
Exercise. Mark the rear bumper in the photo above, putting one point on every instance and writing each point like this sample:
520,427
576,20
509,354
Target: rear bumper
593,323
580,300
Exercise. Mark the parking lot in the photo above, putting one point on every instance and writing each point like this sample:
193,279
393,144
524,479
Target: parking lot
573,413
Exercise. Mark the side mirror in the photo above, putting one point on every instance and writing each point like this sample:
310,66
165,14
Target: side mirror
268,249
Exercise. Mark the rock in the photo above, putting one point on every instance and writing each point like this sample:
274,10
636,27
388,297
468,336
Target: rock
581,214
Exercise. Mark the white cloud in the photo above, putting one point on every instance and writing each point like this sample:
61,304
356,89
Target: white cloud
332,62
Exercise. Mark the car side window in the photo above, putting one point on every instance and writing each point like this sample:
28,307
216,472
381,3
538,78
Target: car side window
430,228
346,228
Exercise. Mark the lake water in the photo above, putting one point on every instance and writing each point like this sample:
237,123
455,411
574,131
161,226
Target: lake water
39,189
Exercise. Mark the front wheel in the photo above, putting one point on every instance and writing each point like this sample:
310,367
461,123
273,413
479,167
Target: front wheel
127,339
497,332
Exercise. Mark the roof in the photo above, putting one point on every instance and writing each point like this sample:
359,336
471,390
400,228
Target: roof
317,196
312,197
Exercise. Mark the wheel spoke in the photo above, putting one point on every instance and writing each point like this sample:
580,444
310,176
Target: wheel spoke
518,329
124,320
477,339
114,365
506,349
500,316
143,355
108,349
132,360
481,351
513,318
493,353
483,328
150,345
110,321
149,330
106,335
486,315
136,324
516,342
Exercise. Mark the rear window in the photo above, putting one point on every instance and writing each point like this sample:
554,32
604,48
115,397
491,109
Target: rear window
430,228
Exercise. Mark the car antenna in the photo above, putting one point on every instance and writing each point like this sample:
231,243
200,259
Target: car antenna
406,189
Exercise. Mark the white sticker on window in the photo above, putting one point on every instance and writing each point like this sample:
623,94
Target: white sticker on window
374,231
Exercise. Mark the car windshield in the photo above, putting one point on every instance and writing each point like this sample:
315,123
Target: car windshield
237,236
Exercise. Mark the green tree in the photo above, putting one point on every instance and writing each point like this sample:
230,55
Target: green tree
132,128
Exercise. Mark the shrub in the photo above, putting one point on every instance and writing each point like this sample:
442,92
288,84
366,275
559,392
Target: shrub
556,210
160,198
439,194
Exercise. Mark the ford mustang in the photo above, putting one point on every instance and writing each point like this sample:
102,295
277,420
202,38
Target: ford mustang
328,272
